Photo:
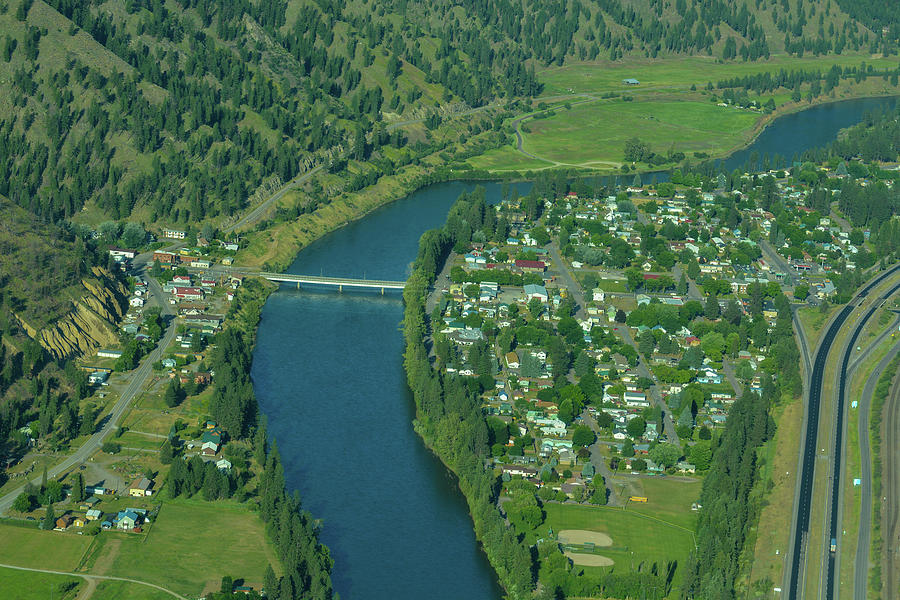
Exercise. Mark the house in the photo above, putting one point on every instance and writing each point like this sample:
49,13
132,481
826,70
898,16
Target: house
166,258
536,291
200,263
98,378
636,399
169,363
79,521
121,253
140,487
209,449
126,519
64,522
173,234
531,266
512,360
109,353
94,514
181,280
188,293
136,302
223,464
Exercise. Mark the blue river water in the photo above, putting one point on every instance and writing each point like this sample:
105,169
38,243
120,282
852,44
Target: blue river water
328,373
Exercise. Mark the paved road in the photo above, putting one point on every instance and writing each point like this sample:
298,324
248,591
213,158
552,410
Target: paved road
598,461
803,499
256,213
864,536
89,577
641,369
136,382
891,488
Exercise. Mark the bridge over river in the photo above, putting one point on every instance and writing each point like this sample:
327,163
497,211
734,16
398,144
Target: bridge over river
339,282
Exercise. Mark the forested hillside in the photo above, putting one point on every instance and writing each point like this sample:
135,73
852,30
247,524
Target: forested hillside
179,110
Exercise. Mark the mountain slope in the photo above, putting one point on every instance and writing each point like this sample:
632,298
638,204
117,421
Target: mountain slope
176,111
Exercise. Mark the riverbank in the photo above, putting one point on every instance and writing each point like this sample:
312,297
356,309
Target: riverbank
275,247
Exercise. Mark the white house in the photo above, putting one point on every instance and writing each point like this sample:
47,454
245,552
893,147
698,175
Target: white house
136,301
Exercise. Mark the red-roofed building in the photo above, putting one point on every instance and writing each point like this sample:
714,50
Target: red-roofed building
188,293
533,266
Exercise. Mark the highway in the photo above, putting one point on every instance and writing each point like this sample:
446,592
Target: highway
864,536
832,583
136,381
807,464
890,532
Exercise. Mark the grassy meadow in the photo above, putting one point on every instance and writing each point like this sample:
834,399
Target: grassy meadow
36,549
594,134
27,585
192,545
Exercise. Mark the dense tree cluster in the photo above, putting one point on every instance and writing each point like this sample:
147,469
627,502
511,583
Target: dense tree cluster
233,403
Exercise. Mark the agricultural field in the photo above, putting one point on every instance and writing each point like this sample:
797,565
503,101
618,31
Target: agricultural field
678,73
594,134
192,545
27,585
31,547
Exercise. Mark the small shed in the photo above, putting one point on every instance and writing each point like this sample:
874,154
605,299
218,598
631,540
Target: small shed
631,81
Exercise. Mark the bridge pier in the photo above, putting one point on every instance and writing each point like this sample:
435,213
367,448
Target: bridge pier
382,291
340,288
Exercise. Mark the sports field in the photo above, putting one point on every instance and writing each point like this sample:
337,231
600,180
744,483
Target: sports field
635,538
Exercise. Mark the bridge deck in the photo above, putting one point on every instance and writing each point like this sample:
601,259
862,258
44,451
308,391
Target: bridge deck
375,284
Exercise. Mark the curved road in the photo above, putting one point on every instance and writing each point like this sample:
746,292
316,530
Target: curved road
803,500
89,576
136,381
864,536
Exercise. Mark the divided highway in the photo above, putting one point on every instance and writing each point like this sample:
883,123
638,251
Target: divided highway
807,469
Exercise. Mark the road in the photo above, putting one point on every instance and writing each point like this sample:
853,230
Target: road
256,213
600,466
832,582
890,532
803,500
137,379
864,536
89,577
575,290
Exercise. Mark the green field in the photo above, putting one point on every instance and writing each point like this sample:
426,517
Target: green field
636,538
594,134
114,590
507,158
25,585
678,73
192,545
26,547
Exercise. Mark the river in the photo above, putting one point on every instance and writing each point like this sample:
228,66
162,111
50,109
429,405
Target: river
328,373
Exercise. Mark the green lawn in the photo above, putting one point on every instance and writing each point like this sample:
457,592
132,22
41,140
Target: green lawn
192,544
594,134
56,550
669,499
26,585
636,537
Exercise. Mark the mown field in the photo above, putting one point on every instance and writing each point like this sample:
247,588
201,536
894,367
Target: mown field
192,545
594,133
678,73
636,538
26,585
36,549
